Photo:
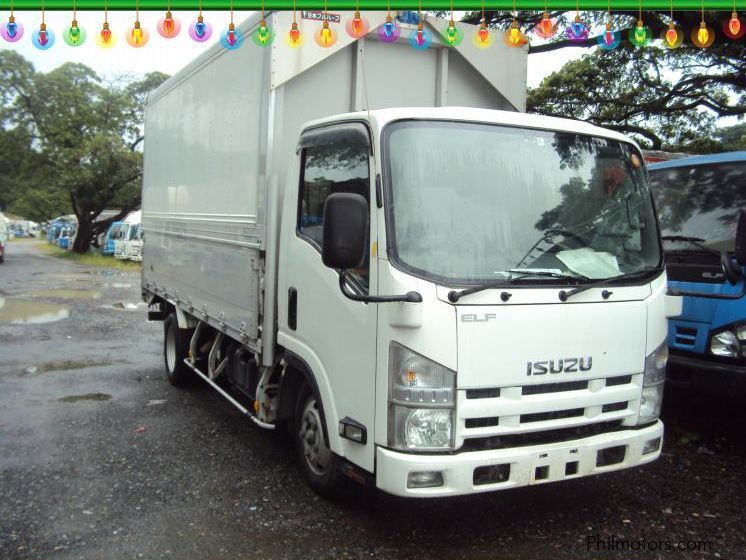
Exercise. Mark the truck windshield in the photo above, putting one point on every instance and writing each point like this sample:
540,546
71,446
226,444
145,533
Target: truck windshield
701,202
468,202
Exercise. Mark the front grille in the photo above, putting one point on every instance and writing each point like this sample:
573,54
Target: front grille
685,336
542,413
482,422
613,407
553,415
554,387
482,393
621,380
540,438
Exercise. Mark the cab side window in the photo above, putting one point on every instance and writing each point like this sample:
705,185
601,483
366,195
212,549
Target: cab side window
341,165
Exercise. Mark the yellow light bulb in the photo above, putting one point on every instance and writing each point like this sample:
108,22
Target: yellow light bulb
703,34
514,36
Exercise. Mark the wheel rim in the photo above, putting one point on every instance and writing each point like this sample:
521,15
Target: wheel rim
170,349
317,454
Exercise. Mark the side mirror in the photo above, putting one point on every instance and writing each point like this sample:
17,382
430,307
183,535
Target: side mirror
345,237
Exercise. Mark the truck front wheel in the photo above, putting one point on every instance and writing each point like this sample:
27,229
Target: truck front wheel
175,349
317,462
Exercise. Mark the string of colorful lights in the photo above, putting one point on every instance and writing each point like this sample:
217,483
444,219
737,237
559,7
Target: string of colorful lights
358,26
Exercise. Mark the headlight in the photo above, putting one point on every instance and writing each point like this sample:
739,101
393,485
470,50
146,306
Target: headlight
421,402
729,343
653,379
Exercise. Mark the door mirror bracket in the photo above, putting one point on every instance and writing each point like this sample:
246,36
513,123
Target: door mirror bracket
409,297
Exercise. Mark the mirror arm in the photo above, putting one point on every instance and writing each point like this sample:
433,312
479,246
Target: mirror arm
409,297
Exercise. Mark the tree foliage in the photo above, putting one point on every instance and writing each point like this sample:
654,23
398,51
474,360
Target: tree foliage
72,142
667,99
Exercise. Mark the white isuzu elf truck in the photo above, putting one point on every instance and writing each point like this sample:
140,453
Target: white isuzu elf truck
374,247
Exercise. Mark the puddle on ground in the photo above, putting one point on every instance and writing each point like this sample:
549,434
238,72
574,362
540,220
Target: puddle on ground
19,312
85,397
62,294
126,305
65,365
121,285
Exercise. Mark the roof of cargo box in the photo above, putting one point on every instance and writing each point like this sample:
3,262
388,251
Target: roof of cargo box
380,117
503,67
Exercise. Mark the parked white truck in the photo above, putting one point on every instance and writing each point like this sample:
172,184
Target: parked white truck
436,296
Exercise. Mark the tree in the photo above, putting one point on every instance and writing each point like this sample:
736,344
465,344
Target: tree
83,133
666,98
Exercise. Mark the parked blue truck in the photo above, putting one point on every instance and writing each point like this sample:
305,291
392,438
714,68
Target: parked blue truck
701,205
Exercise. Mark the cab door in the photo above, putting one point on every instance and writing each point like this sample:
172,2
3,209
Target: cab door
334,335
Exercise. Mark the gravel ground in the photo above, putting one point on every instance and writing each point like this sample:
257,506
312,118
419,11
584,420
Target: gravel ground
101,458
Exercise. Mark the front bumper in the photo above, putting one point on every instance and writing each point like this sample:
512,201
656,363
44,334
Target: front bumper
393,467
696,364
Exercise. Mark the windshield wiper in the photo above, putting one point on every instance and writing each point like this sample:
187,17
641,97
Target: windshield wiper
696,241
565,294
454,296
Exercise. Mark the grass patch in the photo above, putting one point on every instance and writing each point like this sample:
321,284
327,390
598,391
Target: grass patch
90,259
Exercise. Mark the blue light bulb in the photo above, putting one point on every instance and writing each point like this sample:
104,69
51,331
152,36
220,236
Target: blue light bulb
200,28
12,28
388,28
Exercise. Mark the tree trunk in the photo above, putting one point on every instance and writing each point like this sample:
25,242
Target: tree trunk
83,238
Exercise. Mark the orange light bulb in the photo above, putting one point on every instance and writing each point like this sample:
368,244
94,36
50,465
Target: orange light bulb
671,35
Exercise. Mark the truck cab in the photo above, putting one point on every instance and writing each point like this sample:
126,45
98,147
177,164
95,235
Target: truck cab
110,237
700,201
504,361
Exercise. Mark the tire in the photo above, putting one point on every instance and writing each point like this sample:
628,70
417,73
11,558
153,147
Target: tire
316,461
175,350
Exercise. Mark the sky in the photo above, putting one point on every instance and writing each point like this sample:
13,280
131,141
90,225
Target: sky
170,55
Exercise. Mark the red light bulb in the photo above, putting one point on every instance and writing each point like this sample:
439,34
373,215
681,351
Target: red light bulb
484,35
734,24
294,34
546,24
357,24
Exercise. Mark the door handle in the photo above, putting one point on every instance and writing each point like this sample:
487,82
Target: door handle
292,308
